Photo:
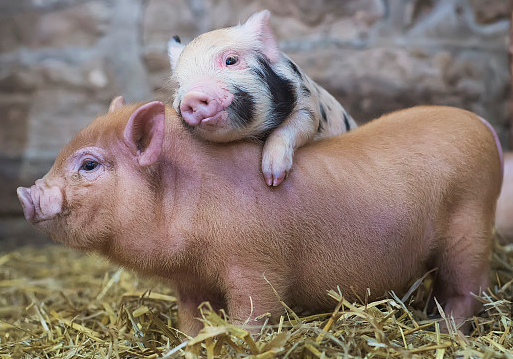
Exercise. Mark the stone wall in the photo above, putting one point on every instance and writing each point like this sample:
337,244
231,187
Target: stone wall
61,61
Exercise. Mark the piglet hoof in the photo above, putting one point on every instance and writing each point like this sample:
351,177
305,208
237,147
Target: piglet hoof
275,167
274,179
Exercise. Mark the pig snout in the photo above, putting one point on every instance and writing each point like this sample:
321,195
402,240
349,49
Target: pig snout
205,105
40,202
26,203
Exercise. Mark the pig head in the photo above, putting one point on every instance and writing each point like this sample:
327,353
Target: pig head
374,209
71,204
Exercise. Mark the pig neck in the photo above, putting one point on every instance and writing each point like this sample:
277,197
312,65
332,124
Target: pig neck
200,185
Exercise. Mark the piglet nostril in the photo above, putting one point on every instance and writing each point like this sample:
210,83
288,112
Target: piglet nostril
185,108
196,106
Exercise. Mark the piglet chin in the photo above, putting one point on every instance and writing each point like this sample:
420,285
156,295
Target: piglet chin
26,203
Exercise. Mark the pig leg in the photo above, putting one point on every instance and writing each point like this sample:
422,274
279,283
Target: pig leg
188,314
279,147
189,300
464,265
249,295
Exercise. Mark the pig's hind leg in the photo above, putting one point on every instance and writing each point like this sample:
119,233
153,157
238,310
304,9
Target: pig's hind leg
464,264
299,128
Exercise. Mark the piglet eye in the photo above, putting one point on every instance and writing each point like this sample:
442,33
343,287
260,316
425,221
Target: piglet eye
89,166
231,60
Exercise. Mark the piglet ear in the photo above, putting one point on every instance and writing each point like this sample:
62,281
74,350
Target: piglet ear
116,103
174,49
258,26
144,132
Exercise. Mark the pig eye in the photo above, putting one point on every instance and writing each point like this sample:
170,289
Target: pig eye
89,166
231,60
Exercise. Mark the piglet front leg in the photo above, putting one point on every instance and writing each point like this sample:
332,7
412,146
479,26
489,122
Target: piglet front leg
279,147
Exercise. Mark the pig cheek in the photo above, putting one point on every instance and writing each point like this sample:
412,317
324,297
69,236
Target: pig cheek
88,215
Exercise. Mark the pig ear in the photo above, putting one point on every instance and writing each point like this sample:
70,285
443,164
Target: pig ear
174,49
144,132
116,103
258,26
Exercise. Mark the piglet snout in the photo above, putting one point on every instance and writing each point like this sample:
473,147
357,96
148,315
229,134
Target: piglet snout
202,105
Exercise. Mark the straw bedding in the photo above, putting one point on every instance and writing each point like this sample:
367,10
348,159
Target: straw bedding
57,303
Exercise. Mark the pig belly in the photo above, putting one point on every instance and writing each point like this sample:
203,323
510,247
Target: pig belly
380,263
373,274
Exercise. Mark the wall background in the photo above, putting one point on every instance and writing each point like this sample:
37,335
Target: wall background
61,62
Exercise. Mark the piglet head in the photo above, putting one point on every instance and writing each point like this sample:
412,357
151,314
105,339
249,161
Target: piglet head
78,202
219,93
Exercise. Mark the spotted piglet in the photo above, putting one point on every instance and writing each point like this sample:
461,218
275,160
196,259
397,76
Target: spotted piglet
235,83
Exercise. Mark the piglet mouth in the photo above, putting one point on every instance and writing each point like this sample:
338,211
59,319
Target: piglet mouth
40,203
215,120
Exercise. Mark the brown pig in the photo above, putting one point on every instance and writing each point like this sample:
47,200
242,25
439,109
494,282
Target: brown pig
375,208
504,216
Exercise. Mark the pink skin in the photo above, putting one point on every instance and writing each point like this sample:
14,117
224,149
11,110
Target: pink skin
205,104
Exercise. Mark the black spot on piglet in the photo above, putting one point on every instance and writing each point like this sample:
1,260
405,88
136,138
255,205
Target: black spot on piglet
346,122
305,91
323,113
295,69
281,90
242,108
324,118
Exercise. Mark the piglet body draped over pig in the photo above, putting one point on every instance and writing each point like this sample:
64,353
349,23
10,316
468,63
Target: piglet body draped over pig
374,209
235,83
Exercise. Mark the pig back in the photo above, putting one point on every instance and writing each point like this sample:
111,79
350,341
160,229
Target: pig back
368,209
395,184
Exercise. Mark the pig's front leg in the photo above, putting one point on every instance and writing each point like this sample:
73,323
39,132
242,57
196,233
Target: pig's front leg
249,295
189,300
279,147
188,314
